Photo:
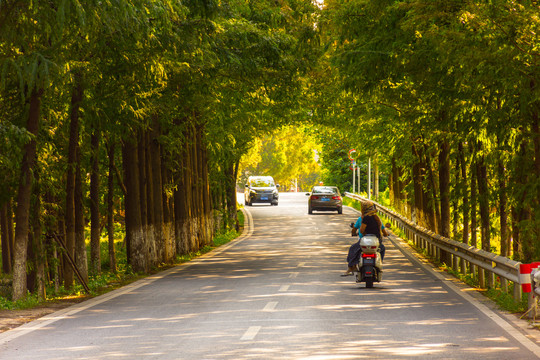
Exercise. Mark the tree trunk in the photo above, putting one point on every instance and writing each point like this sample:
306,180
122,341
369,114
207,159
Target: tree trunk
155,249
395,196
230,189
81,258
433,207
376,178
483,191
418,189
503,203
516,243
182,202
5,230
456,196
22,212
444,187
444,191
95,224
464,194
207,200
474,196
195,199
110,208
137,247
168,229
157,194
40,252
521,211
76,99
204,237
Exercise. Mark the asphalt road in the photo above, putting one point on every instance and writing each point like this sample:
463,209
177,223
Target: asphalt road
277,293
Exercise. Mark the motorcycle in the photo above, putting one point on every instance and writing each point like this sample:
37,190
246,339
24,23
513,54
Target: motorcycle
370,268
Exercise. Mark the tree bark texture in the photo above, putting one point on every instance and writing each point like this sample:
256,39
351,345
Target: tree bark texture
444,191
149,228
110,207
182,201
503,203
22,212
95,223
444,187
474,201
464,194
208,218
483,191
418,188
40,257
432,203
76,99
81,257
6,231
137,247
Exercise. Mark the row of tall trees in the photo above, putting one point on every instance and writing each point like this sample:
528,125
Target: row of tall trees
447,93
134,114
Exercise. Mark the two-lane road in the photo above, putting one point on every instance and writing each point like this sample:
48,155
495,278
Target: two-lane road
277,293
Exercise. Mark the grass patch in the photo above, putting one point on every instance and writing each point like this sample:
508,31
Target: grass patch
30,301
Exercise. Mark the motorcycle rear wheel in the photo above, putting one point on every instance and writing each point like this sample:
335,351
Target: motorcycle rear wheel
369,283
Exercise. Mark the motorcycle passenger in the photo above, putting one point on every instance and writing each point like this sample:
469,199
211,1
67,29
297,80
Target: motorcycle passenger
371,225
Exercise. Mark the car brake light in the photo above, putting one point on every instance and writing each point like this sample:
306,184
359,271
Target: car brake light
314,197
336,197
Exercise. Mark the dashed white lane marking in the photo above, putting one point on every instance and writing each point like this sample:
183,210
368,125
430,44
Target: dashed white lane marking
293,275
284,288
270,306
250,333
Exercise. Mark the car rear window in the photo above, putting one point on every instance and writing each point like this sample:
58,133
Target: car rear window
262,183
324,190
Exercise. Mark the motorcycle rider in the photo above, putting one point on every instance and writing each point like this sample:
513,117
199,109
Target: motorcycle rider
371,224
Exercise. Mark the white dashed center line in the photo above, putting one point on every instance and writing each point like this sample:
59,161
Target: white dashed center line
250,333
270,306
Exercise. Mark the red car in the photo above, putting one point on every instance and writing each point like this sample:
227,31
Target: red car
325,198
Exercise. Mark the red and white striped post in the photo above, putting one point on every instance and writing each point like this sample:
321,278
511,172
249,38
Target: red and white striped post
525,281
525,277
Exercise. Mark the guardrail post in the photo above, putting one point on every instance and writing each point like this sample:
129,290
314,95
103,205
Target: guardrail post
533,306
504,285
481,278
455,262
517,292
490,279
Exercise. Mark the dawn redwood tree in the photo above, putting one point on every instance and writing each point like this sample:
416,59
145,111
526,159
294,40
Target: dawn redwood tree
31,65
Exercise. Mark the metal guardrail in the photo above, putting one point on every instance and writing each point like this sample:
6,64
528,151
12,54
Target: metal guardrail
491,263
